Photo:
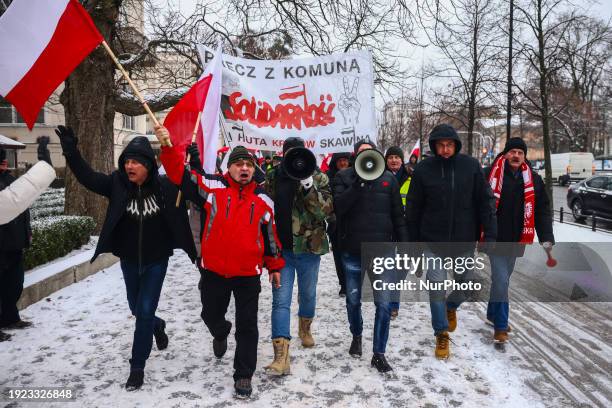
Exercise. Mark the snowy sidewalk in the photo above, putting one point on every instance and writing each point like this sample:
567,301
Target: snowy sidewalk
82,339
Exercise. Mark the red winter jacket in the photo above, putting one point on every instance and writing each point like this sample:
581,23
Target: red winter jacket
239,234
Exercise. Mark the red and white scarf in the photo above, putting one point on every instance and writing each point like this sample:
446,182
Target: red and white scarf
496,179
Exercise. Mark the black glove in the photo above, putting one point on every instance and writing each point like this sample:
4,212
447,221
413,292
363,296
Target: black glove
194,156
67,139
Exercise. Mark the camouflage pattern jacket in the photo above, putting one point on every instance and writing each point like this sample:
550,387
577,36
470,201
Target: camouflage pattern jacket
309,213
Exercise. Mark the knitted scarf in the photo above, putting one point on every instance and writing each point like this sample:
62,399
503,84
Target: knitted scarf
496,178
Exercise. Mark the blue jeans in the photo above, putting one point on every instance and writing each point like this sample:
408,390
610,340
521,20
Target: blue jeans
143,292
498,309
438,302
354,281
306,266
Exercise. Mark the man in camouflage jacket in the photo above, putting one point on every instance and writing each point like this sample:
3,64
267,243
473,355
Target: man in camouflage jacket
301,210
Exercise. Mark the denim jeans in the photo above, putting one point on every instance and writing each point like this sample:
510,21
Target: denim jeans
354,281
306,267
143,292
498,309
438,302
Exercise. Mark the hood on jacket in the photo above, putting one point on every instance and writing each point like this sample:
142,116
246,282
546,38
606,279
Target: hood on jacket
444,131
139,149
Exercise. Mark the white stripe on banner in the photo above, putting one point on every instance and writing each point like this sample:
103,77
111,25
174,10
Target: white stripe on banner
26,28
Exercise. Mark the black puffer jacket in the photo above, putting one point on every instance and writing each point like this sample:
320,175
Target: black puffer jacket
14,235
118,189
373,213
511,208
450,200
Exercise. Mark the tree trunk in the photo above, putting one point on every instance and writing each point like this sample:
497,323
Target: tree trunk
544,103
88,104
509,100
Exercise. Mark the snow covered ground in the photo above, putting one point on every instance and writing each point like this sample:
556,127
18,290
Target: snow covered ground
559,354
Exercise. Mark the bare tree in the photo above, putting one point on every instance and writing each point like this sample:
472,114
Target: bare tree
468,35
544,59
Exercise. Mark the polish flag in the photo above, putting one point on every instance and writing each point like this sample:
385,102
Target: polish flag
209,142
416,150
41,43
181,120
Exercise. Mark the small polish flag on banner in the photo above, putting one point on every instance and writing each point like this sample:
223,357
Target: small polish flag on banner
181,120
41,43
416,150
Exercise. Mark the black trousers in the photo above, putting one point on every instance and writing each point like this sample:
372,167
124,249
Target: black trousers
215,294
11,285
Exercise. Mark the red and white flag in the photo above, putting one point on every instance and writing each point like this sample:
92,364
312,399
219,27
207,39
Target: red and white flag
209,144
181,120
41,43
416,150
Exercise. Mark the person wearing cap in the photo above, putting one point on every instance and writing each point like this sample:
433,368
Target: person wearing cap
142,227
449,202
394,160
301,208
367,211
239,239
523,208
339,161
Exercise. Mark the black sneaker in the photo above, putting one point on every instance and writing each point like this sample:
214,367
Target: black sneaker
135,380
243,388
5,336
342,292
380,362
161,338
219,347
355,349
19,324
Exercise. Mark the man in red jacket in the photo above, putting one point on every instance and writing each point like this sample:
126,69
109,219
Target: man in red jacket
238,240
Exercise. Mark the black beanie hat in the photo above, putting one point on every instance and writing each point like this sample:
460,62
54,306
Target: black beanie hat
515,143
361,142
140,158
395,151
292,142
239,153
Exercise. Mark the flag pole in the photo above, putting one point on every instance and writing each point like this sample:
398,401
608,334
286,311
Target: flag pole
129,80
193,139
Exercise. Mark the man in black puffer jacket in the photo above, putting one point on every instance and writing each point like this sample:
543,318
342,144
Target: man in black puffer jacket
367,211
449,201
142,227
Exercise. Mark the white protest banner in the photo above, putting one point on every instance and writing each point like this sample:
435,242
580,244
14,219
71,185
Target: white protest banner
328,101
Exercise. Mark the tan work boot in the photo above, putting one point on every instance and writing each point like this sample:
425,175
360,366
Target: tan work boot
442,346
500,336
304,332
280,365
451,316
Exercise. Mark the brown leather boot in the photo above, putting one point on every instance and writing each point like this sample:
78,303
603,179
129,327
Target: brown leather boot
451,316
500,336
304,332
442,346
280,365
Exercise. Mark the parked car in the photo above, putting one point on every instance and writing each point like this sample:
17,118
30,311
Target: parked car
568,167
591,196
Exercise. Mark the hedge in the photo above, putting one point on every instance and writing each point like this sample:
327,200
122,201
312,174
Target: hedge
54,237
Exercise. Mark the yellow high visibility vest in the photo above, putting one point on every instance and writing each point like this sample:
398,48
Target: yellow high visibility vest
404,190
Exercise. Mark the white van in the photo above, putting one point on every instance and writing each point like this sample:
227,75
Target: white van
568,167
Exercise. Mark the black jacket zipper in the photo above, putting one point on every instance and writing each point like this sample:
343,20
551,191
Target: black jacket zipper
140,210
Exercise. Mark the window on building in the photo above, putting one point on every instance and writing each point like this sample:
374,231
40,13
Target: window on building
8,114
129,122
